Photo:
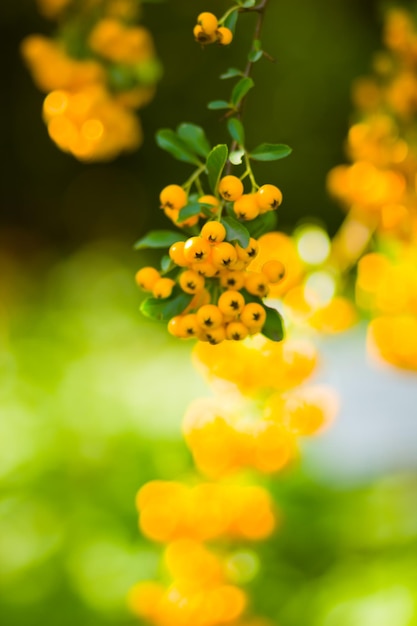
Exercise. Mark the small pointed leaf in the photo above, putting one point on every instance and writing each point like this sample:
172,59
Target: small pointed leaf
168,140
240,90
216,161
164,309
159,239
216,105
270,152
235,231
236,157
236,130
230,21
195,138
192,208
232,72
273,328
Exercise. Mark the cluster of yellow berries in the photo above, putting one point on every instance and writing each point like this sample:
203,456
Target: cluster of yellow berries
216,271
208,30
208,511
225,435
91,101
378,189
388,290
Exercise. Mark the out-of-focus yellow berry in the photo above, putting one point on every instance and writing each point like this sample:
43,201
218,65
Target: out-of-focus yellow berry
246,207
224,35
273,270
163,288
230,188
268,198
208,22
231,302
147,277
191,282
214,232
173,197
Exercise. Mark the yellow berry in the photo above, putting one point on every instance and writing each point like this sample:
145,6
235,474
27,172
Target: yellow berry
214,232
216,335
253,316
147,277
173,197
175,326
191,282
201,36
176,253
209,317
230,188
249,253
163,288
189,325
196,249
236,331
224,255
274,270
205,268
257,284
224,35
231,302
190,221
208,22
231,279
246,207
268,198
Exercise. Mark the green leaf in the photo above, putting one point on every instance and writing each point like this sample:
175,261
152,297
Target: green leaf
168,140
192,208
240,90
236,131
167,264
273,328
164,309
255,55
159,239
216,105
232,72
270,152
194,137
264,223
216,161
235,231
230,21
247,4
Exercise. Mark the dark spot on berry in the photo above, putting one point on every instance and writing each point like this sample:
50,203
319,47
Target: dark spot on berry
234,305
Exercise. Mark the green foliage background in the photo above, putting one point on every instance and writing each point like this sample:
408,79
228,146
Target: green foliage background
91,395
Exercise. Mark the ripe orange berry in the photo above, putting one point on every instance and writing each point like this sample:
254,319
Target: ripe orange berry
214,232
189,325
176,254
191,282
224,35
190,221
173,197
224,255
196,249
205,268
147,277
231,302
268,198
208,22
209,317
211,201
249,253
231,279
246,207
163,288
201,36
230,188
175,326
274,270
216,335
257,284
236,331
253,316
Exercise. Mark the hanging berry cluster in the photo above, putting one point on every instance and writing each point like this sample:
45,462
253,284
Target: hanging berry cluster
96,72
378,190
205,287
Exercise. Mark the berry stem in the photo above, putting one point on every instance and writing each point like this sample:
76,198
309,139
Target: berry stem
194,178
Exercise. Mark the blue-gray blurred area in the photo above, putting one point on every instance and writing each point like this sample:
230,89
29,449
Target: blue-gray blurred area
91,394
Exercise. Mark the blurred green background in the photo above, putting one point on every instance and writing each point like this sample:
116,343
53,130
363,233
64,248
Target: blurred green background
91,394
